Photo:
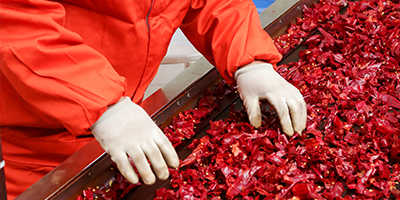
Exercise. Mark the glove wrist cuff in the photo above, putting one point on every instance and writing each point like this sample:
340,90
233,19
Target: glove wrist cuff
114,110
253,68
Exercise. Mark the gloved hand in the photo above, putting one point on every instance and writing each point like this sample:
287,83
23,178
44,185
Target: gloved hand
261,82
126,129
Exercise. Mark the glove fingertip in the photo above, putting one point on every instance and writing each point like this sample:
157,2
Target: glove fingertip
287,129
149,180
255,121
300,124
299,129
254,117
174,163
132,177
253,112
289,133
164,176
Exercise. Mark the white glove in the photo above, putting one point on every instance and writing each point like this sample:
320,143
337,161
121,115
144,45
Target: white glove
126,129
262,82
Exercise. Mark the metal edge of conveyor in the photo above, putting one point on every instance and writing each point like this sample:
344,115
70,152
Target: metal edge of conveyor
91,160
277,18
269,16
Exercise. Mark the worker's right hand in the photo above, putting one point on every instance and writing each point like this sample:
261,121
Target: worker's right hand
259,81
125,129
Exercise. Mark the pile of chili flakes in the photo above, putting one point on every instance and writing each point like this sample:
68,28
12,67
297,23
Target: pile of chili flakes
350,79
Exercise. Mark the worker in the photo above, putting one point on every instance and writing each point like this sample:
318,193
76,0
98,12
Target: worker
75,69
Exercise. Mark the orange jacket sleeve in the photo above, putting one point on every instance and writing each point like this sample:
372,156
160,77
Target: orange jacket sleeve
62,80
228,34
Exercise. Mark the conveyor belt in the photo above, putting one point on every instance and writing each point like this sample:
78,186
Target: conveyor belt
90,166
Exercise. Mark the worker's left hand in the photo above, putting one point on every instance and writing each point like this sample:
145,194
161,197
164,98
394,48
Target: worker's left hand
259,81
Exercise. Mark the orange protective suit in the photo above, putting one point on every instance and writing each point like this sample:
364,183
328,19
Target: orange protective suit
64,62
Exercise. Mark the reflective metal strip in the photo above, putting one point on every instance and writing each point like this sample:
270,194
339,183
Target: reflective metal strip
2,163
